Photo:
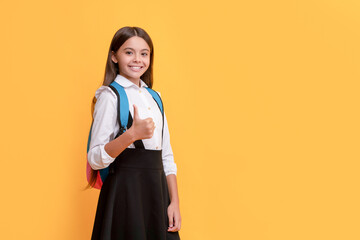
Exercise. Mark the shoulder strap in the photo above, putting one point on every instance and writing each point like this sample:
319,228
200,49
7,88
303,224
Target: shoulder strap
89,137
157,98
123,105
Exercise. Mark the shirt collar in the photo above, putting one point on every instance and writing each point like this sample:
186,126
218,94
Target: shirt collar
123,81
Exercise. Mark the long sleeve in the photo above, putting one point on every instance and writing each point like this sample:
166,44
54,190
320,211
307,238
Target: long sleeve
167,153
105,117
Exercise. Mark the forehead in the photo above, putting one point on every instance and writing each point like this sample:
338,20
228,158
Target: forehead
136,43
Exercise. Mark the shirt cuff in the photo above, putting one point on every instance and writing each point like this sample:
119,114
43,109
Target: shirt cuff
170,168
168,173
106,158
98,158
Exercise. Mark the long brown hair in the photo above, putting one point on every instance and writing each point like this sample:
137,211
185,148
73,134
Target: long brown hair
112,69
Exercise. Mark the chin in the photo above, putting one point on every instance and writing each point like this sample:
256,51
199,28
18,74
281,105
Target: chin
135,75
132,75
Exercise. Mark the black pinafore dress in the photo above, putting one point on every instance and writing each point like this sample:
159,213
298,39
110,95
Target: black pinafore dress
134,198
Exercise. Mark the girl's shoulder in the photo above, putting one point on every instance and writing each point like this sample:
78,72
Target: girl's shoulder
105,92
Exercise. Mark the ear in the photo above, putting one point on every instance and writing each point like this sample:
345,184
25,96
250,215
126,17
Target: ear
113,58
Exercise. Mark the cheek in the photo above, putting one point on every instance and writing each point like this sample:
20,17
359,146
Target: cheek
125,59
147,61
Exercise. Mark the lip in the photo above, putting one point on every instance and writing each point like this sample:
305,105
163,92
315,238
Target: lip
135,70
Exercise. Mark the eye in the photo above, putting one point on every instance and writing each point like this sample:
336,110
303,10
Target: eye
128,52
145,54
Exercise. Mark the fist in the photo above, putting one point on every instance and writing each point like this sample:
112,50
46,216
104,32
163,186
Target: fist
142,128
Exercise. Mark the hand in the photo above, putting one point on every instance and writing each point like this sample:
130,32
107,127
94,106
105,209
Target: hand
174,217
142,128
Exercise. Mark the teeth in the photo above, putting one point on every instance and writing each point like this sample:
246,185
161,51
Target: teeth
136,67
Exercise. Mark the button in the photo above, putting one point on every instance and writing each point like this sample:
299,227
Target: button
139,91
157,147
149,108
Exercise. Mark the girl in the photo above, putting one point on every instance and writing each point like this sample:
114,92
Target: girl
139,198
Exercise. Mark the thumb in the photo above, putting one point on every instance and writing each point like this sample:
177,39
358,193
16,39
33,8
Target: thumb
171,219
136,114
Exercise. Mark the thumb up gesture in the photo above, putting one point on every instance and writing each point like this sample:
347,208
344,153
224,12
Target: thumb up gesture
142,128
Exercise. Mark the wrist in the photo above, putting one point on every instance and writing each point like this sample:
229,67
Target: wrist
131,134
174,201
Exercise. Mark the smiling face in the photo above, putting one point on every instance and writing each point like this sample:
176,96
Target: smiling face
133,58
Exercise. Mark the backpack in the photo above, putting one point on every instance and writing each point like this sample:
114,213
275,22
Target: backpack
123,117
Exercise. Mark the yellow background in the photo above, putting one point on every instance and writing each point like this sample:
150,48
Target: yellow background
262,100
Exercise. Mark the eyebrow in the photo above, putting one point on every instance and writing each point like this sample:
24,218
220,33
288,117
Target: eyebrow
134,49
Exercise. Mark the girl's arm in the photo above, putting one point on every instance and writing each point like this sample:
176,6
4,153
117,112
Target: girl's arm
173,190
103,149
105,119
170,170
119,144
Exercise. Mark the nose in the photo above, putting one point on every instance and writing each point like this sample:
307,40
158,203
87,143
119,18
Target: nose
136,58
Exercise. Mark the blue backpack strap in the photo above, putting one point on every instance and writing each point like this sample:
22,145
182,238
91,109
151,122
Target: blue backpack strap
123,105
159,102
104,172
157,98
89,138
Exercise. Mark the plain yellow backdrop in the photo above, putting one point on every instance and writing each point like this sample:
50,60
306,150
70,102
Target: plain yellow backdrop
262,100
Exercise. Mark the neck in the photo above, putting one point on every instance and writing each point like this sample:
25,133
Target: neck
136,82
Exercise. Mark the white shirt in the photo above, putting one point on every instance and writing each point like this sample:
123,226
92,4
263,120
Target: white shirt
106,125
